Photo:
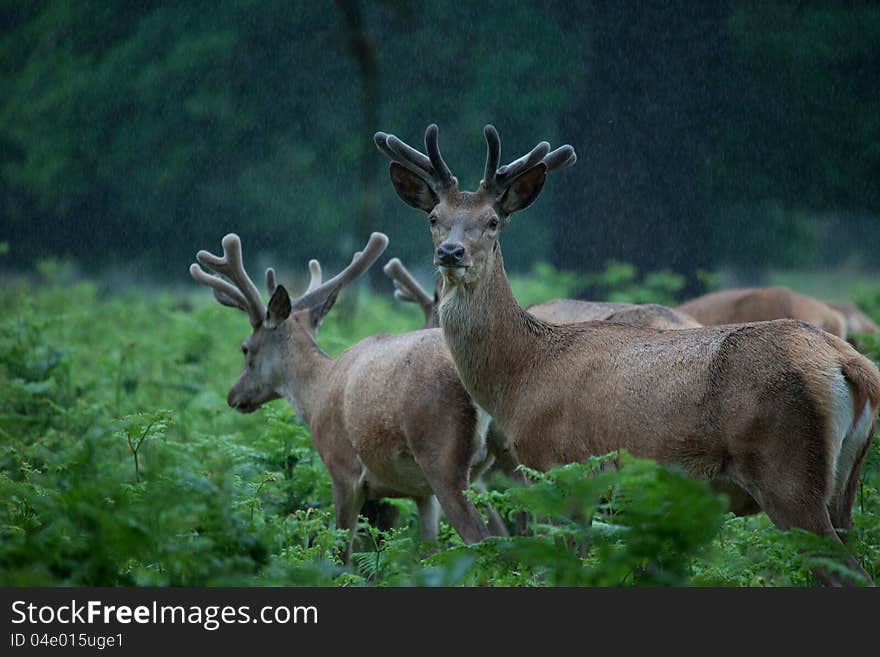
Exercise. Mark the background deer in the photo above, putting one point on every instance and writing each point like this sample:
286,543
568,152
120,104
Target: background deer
759,304
856,320
781,410
572,311
389,417
557,311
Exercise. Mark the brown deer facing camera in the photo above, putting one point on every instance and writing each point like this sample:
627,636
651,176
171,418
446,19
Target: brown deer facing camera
781,410
389,417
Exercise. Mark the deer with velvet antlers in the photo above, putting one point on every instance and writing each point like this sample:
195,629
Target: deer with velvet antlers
780,411
389,417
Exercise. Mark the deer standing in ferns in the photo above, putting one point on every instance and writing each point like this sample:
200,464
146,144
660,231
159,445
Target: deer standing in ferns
780,410
389,417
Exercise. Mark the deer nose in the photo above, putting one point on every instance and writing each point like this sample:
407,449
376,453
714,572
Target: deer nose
232,398
450,253
236,401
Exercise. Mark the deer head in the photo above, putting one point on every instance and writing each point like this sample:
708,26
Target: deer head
282,324
465,225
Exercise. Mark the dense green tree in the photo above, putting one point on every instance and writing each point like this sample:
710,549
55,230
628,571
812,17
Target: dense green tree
136,133
800,127
146,131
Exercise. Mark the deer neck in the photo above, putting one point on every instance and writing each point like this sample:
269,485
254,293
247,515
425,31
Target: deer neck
306,369
492,339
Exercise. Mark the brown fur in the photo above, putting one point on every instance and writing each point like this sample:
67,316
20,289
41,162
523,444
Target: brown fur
556,311
571,311
856,320
759,304
727,403
768,406
862,376
389,418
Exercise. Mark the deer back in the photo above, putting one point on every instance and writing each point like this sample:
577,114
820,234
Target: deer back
762,304
572,311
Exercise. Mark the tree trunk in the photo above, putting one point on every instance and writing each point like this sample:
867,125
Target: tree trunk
364,53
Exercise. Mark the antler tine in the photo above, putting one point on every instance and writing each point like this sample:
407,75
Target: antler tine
270,281
493,154
224,291
359,264
402,295
562,157
507,173
314,275
407,154
496,179
432,170
433,148
408,288
232,266
382,139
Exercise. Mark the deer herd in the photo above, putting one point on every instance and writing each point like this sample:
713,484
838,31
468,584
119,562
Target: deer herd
752,390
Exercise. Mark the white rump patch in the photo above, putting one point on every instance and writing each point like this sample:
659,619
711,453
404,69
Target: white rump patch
848,437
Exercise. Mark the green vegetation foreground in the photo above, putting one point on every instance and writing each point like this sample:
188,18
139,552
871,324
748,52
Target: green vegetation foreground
121,464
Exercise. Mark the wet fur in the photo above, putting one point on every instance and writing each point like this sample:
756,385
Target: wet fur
389,418
728,403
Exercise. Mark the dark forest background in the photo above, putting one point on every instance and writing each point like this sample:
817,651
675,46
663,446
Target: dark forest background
710,134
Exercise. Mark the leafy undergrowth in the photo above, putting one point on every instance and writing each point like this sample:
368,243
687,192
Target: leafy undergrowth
120,464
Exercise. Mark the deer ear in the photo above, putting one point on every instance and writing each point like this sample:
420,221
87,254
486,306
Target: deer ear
279,308
319,312
523,190
412,189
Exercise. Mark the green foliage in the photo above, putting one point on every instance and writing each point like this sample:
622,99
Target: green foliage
613,521
120,464
619,282
545,282
151,127
131,132
786,60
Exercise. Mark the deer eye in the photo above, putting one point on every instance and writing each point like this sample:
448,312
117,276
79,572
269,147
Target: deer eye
244,349
433,219
493,223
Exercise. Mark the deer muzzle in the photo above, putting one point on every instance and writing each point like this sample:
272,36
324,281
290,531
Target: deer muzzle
450,254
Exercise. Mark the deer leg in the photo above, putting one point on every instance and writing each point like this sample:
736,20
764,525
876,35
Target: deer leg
348,498
507,461
429,518
460,511
815,518
842,502
496,523
446,464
